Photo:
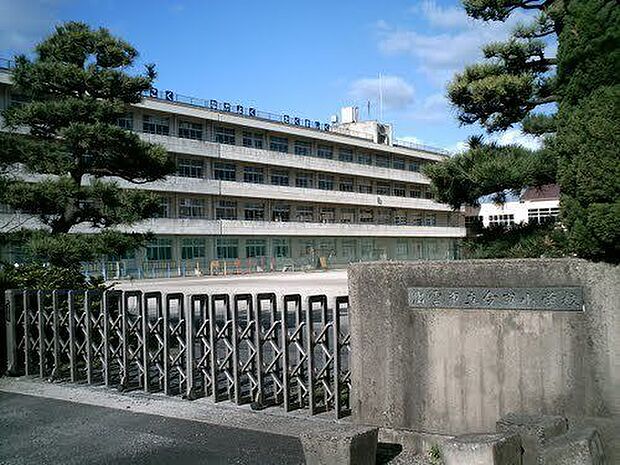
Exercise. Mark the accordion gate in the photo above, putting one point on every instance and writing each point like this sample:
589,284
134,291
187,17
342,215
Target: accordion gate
257,349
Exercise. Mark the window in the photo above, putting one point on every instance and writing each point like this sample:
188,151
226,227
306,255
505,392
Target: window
253,174
281,248
226,210
345,155
399,164
156,124
539,215
367,247
281,213
473,221
255,248
126,121
327,215
400,217
430,220
346,184
189,130
384,216
326,182
325,151
305,213
191,208
417,219
367,216
164,208
303,147
190,168
193,248
304,180
400,191
347,215
401,248
414,166
226,248
383,161
428,194
349,248
224,135
278,144
364,188
224,171
253,139
506,220
306,247
327,247
254,211
364,159
383,189
279,178
159,249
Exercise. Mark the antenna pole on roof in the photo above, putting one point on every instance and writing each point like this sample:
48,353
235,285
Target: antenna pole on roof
380,97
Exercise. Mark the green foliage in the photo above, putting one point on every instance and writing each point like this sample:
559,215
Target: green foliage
76,88
434,455
502,90
45,277
489,168
518,241
68,250
581,143
589,129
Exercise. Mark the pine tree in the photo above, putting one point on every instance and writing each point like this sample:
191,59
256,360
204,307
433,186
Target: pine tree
62,151
580,147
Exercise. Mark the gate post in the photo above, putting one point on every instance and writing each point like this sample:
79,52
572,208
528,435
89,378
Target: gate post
11,333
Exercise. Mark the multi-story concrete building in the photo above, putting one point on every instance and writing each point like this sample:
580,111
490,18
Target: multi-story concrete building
266,191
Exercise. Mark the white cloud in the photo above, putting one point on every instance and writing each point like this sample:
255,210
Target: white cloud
397,93
460,146
433,108
515,136
442,17
25,22
439,55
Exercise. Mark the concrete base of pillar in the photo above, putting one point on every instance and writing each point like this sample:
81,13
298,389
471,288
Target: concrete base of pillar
483,449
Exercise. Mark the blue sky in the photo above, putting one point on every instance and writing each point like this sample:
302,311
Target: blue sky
306,58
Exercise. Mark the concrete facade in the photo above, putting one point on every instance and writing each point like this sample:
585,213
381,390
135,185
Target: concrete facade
457,371
239,176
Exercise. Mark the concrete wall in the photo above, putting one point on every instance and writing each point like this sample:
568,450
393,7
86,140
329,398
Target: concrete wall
456,371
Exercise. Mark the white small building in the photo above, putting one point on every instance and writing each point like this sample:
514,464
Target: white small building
533,204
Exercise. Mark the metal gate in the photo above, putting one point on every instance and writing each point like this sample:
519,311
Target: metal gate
245,348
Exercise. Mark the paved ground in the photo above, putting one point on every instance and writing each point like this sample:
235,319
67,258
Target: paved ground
332,283
40,431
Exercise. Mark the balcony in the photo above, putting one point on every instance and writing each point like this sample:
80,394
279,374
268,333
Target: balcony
278,159
204,227
286,193
168,226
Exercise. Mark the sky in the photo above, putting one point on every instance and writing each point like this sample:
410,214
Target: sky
303,58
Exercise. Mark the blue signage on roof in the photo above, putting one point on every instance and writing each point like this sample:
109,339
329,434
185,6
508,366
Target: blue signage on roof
212,104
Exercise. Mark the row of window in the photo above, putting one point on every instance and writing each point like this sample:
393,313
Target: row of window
190,207
224,171
155,124
161,249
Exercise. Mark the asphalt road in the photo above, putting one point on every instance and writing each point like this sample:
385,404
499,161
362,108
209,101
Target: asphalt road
332,283
41,431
